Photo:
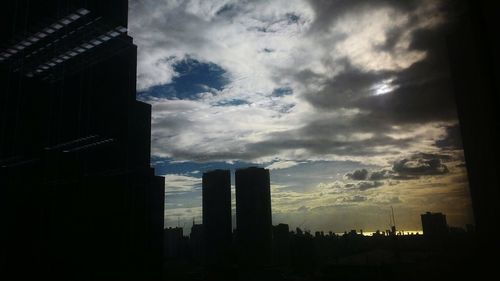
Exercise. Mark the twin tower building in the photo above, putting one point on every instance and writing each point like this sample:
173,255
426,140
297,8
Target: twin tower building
251,242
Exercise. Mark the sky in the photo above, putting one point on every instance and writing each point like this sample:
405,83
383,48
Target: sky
348,103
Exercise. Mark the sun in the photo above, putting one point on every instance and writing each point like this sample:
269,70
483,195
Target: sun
384,87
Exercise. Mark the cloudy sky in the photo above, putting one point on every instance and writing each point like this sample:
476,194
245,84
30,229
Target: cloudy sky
349,103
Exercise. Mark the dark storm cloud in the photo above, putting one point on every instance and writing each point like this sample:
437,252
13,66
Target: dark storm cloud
319,137
366,180
344,89
420,166
422,93
320,144
368,185
359,175
409,168
380,175
415,166
328,11
414,104
315,145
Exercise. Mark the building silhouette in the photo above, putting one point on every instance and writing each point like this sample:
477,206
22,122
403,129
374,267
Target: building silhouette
196,242
281,245
78,199
472,48
216,190
174,243
253,216
434,224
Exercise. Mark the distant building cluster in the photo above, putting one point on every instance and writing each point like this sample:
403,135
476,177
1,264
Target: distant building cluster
255,242
253,235
302,252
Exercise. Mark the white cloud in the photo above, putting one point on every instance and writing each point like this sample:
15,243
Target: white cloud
262,46
175,184
282,165
366,32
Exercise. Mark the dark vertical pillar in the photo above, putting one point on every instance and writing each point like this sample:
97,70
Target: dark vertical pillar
474,60
473,48
217,216
78,199
253,216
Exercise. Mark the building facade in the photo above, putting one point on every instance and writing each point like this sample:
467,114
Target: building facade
253,216
78,198
434,224
216,189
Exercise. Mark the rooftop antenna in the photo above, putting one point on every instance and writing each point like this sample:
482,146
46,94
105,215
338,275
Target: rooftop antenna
393,222
389,230
178,222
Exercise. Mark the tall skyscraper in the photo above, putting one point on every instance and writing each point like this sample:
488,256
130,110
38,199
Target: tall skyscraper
78,199
253,216
217,216
434,224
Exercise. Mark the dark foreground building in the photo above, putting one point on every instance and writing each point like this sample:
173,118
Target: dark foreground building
281,245
473,50
434,224
217,216
78,199
253,216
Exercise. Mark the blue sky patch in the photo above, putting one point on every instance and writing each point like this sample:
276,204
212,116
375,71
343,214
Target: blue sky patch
292,18
165,166
232,102
283,91
194,77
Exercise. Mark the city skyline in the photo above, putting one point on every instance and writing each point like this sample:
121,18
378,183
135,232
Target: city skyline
350,105
248,140
214,187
